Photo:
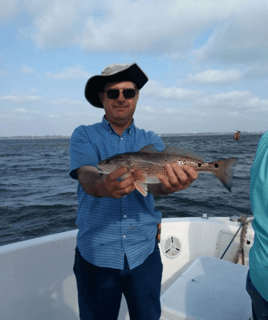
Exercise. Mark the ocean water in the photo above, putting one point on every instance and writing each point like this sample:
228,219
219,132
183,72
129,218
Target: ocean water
38,197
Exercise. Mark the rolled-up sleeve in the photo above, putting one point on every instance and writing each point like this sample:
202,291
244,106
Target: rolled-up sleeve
82,152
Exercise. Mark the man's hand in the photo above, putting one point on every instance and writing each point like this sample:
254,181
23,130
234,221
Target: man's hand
177,178
117,189
98,185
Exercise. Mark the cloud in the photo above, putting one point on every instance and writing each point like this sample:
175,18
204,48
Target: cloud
54,22
104,26
255,72
215,105
147,109
221,76
241,39
170,26
154,89
9,9
239,102
222,112
68,102
71,73
3,73
240,28
26,70
54,116
214,76
20,99
19,116
75,114
23,111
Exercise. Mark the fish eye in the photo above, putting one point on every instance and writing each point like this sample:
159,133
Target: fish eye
216,165
199,164
107,161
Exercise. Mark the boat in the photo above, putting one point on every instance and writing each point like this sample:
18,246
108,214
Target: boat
200,279
237,135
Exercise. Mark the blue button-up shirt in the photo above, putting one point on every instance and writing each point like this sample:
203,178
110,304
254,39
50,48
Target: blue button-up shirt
258,255
110,228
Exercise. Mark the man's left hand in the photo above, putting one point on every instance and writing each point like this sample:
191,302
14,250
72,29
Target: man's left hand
177,177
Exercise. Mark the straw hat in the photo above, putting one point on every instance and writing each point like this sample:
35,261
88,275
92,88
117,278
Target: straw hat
113,73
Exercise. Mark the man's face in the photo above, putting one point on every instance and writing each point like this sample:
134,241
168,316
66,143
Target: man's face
119,109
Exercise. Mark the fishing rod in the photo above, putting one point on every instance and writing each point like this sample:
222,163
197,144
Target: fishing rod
241,224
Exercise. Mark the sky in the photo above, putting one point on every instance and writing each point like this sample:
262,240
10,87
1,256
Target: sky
207,63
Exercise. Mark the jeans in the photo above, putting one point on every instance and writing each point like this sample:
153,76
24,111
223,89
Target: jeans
100,289
259,304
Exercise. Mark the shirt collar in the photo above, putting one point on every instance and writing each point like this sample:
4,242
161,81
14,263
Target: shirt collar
110,128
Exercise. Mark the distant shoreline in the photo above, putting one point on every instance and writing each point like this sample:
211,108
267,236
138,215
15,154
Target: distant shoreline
34,137
160,134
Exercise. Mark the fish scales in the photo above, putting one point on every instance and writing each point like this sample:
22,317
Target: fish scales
149,163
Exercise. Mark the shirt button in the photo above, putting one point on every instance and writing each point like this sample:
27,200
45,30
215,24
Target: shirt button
124,236
121,138
125,216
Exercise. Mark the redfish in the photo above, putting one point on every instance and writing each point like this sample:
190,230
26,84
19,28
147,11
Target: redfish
149,162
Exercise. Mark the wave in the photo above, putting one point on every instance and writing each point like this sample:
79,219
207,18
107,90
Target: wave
39,197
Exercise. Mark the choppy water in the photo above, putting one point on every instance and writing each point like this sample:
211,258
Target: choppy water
38,197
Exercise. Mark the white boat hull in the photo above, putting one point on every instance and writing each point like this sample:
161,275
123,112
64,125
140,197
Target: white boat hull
36,276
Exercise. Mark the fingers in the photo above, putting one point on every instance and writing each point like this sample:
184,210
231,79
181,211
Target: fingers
191,173
185,174
138,175
126,186
177,177
119,189
113,176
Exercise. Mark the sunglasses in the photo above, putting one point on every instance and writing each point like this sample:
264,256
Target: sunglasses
114,93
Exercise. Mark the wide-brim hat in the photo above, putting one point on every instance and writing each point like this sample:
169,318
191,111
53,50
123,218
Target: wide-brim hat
113,73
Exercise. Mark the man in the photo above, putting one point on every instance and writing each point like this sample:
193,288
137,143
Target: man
257,279
117,250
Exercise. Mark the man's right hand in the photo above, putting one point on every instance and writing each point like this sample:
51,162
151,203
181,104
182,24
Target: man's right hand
117,189
98,185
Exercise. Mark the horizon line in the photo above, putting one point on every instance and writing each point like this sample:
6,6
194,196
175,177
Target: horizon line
178,133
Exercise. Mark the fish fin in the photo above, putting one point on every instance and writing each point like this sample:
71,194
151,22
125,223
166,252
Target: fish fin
180,152
141,187
150,148
225,174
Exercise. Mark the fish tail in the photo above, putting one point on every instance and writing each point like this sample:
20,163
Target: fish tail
225,172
